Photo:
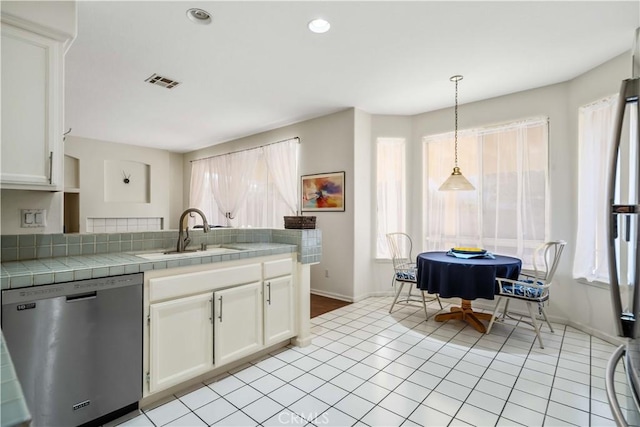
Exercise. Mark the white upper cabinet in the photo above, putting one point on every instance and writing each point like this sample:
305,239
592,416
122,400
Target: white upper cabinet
32,105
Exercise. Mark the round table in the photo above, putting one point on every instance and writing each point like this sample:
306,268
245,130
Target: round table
468,279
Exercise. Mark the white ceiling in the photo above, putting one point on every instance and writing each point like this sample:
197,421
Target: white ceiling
257,66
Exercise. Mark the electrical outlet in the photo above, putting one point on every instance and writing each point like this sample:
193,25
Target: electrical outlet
33,218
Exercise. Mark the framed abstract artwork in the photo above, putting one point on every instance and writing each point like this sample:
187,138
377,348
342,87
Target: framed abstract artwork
323,192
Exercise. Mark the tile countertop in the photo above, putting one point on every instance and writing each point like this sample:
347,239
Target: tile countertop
36,272
13,409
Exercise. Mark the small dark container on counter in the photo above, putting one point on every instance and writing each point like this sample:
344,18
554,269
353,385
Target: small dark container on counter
300,222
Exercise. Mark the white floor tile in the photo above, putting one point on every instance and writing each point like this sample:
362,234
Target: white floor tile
442,403
250,373
453,390
486,401
308,405
568,414
385,380
354,406
341,362
347,381
139,421
476,416
243,396
288,373
267,384
189,420
199,397
262,409
325,372
371,392
239,419
335,418
307,382
329,393
306,363
363,371
413,391
399,404
286,395
518,413
382,417
426,416
167,412
289,355
226,385
529,401
215,411
570,399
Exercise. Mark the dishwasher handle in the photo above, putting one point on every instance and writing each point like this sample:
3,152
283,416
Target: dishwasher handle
610,387
82,297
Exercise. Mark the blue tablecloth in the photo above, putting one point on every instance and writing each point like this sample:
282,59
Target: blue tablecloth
468,279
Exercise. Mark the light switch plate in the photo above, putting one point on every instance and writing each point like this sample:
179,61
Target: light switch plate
33,218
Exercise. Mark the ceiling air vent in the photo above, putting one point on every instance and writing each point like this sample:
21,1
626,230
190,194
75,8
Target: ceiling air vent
165,82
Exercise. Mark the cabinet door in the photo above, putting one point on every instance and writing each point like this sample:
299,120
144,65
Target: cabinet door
180,340
238,322
31,110
278,310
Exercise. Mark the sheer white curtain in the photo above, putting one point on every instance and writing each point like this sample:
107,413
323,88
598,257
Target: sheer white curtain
229,177
282,164
508,211
595,132
250,188
391,197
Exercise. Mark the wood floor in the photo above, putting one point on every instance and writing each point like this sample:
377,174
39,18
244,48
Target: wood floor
321,305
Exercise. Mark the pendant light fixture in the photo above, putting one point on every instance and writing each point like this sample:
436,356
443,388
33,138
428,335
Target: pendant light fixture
456,181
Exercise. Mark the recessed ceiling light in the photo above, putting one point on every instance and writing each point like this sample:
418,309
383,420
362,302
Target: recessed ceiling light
199,16
319,25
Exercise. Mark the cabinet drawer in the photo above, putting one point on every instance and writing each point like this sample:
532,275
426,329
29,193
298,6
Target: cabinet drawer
162,288
281,267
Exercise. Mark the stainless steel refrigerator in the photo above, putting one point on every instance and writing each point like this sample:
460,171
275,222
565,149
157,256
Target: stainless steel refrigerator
623,246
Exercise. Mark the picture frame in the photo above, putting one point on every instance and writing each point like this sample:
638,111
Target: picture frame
322,192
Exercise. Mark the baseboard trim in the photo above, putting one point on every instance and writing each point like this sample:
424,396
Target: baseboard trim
332,295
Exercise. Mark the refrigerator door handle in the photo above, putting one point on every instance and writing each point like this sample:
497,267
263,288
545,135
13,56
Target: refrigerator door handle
625,322
610,387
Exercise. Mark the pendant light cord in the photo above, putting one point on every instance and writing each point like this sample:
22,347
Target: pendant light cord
455,132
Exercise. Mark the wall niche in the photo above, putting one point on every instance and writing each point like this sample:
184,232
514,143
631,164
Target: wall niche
126,181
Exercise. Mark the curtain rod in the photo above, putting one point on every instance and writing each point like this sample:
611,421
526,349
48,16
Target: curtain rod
246,149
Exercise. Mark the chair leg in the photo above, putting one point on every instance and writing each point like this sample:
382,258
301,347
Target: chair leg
397,295
493,316
534,322
424,305
506,308
439,303
544,314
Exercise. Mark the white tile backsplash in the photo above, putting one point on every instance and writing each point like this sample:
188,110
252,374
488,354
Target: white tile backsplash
120,225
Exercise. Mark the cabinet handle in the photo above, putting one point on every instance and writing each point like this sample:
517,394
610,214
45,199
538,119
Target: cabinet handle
269,293
220,316
211,316
50,166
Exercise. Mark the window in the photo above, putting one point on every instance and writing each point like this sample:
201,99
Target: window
508,212
595,139
391,191
250,188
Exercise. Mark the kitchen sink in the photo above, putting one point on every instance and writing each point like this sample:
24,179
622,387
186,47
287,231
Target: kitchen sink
165,255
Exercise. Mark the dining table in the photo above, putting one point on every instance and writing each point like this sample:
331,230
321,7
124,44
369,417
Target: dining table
467,278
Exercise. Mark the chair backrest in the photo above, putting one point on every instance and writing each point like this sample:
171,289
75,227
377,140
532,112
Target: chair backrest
548,254
401,248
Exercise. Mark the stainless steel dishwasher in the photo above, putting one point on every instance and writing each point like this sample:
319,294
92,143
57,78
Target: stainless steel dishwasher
77,348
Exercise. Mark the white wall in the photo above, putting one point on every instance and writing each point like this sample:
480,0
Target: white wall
61,16
363,190
15,200
327,145
165,181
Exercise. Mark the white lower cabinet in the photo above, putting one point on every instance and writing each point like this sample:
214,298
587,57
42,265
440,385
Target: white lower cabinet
238,322
201,320
180,340
278,310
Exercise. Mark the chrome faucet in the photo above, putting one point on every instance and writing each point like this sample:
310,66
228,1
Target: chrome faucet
183,242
